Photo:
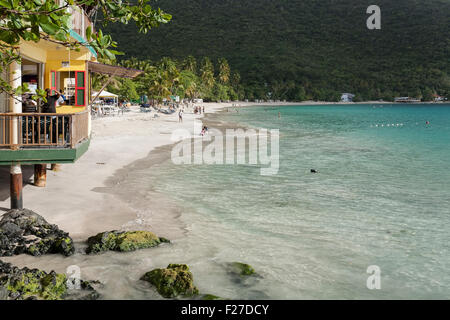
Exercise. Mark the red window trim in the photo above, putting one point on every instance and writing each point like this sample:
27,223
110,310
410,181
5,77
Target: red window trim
53,88
80,88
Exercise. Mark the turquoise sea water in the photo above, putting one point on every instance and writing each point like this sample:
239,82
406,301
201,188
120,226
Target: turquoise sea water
381,197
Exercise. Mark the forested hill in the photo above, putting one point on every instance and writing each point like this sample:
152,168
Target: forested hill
317,49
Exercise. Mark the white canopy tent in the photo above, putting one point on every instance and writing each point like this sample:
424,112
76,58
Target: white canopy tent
104,95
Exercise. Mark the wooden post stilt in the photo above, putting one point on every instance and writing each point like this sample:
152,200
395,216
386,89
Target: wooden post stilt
40,175
16,186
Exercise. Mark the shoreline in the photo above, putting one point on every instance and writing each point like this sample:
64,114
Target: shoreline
323,103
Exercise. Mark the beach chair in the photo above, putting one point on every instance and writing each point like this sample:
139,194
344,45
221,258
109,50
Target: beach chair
107,110
145,108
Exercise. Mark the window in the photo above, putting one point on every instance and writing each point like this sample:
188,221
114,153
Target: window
80,88
53,82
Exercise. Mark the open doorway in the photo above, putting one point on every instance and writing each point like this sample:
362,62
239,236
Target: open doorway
33,77
67,86
30,75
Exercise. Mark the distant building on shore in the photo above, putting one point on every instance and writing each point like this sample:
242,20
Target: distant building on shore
347,97
437,98
406,100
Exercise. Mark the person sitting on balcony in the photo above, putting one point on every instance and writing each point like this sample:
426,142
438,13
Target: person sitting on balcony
61,100
28,105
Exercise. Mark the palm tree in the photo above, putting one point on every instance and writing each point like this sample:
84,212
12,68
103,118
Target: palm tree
207,73
224,71
190,64
188,84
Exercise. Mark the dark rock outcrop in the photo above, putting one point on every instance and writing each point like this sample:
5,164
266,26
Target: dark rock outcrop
24,231
21,284
123,241
172,281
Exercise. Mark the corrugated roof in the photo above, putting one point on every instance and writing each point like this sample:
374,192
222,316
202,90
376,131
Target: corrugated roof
115,71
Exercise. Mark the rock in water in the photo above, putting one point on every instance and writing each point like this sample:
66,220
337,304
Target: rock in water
20,284
242,269
24,231
210,297
25,283
123,241
175,280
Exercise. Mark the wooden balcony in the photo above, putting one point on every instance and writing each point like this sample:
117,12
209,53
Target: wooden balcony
31,138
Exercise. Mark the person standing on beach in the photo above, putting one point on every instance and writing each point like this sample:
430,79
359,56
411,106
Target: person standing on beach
180,116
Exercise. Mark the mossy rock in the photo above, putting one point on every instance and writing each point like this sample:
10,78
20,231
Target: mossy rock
62,245
210,297
172,281
31,284
242,269
123,241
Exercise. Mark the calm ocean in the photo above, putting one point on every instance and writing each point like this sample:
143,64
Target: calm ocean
381,198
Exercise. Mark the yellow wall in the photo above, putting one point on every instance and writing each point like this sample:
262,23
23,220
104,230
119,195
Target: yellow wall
33,51
69,109
52,55
56,65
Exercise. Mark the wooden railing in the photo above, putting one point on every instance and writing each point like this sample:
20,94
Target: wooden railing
79,127
28,130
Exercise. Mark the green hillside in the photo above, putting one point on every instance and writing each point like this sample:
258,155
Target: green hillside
299,49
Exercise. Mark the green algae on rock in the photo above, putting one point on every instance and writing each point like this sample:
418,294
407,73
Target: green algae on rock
26,283
210,297
24,231
172,281
21,284
123,241
242,269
